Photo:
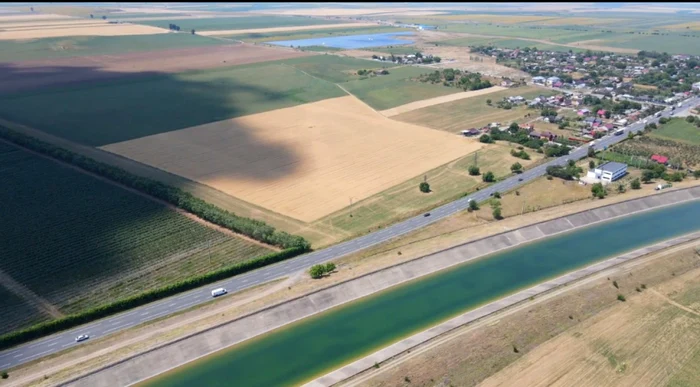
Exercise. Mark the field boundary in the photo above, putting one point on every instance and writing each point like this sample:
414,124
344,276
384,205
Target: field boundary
23,292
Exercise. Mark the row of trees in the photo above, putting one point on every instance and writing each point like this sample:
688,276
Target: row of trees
252,228
568,172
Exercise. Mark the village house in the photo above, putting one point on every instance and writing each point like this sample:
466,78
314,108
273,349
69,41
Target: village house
659,159
552,80
538,80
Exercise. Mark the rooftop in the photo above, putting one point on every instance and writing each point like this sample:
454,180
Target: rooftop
612,166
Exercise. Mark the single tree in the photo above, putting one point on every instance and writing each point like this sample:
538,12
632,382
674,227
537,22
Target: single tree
516,168
424,187
591,151
635,184
330,267
497,195
514,127
474,170
598,190
4,375
621,188
647,176
571,163
488,177
485,138
497,213
591,164
473,205
696,173
608,114
317,271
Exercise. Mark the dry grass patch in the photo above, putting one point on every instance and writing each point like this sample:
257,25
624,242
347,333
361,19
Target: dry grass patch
39,16
336,11
500,19
473,112
689,25
89,30
339,147
582,21
438,100
285,29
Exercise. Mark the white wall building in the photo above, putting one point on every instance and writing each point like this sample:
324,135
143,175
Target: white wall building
608,172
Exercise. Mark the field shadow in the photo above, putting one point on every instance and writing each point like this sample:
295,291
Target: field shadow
90,106
60,248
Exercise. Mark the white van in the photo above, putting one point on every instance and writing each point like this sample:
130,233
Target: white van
218,292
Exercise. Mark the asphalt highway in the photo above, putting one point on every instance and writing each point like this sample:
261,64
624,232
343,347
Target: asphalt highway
63,340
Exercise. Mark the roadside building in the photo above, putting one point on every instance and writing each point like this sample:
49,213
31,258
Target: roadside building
539,80
659,159
609,171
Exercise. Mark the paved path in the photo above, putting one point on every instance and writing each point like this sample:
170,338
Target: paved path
60,341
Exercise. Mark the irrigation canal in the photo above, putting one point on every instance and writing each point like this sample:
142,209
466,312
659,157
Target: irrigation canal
299,352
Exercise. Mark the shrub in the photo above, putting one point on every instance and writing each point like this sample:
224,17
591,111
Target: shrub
4,375
317,271
497,195
516,168
474,170
497,213
485,138
696,174
638,289
488,177
591,151
515,349
473,205
330,267
621,188
635,184
644,286
598,190
424,187
255,229
591,164
615,285
622,298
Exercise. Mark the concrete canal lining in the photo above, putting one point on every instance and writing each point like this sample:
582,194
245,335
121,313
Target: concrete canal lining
187,349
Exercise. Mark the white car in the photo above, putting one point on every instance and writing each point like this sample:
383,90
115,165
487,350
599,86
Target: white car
218,292
82,338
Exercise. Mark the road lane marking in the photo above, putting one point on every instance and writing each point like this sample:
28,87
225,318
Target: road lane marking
69,344
52,344
115,328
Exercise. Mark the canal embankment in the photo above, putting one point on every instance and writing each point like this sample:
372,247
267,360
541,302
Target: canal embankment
193,347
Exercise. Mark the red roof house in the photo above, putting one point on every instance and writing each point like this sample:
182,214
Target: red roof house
660,159
601,112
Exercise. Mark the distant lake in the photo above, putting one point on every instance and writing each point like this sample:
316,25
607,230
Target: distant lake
350,41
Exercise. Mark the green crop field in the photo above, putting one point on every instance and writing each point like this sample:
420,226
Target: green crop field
239,23
17,313
447,183
119,110
679,129
518,31
396,88
51,48
670,43
396,50
472,112
333,68
78,241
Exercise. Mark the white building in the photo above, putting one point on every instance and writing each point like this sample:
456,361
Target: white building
609,171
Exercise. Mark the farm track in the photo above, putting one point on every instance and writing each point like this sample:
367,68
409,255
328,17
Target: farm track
193,217
29,296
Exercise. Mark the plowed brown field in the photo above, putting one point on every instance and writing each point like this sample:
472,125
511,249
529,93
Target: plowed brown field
318,155
41,73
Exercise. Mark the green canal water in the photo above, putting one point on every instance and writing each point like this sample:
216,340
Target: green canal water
309,348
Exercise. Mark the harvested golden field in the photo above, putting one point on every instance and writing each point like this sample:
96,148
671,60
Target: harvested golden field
44,24
314,157
39,16
438,100
285,29
500,19
338,11
473,112
651,340
581,21
689,25
79,30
